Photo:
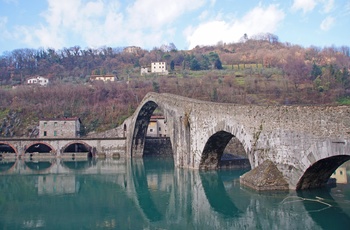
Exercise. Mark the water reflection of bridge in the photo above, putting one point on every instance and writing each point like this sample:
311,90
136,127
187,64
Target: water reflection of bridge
166,196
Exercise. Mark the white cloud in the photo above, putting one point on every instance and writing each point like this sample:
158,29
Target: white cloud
99,23
304,5
327,23
309,5
258,20
328,6
94,22
157,13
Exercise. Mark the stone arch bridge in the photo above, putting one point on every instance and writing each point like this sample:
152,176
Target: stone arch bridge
60,147
289,147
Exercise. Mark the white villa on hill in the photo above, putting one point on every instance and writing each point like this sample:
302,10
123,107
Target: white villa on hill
156,67
38,81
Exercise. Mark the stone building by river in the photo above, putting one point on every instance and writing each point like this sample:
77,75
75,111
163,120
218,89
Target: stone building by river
157,127
62,127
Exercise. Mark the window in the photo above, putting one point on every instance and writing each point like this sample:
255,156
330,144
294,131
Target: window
160,129
150,130
55,133
45,133
55,123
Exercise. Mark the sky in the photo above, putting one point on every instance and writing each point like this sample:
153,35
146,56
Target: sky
186,23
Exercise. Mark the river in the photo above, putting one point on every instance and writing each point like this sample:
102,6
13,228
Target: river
150,193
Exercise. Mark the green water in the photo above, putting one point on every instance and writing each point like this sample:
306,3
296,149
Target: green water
152,194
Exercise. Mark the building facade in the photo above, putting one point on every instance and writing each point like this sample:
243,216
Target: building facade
159,67
156,67
59,128
132,49
157,127
38,81
105,78
340,175
144,70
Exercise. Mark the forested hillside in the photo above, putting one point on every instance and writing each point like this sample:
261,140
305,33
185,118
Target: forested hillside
260,70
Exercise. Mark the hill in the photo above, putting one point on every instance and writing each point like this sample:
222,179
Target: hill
255,71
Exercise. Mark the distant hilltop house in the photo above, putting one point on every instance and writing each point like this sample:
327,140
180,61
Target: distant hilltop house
105,78
38,80
157,127
132,49
66,127
156,67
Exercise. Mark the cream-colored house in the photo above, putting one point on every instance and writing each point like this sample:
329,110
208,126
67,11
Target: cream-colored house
156,67
67,127
159,67
38,81
105,78
157,127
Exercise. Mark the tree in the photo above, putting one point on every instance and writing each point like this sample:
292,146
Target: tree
217,64
155,86
172,65
215,59
345,78
296,69
205,63
315,71
194,64
214,95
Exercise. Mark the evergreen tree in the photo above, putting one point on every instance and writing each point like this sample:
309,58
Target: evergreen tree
218,64
315,71
194,64
172,65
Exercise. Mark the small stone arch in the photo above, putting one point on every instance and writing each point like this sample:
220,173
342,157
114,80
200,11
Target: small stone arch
7,148
78,147
217,142
39,147
318,173
214,149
